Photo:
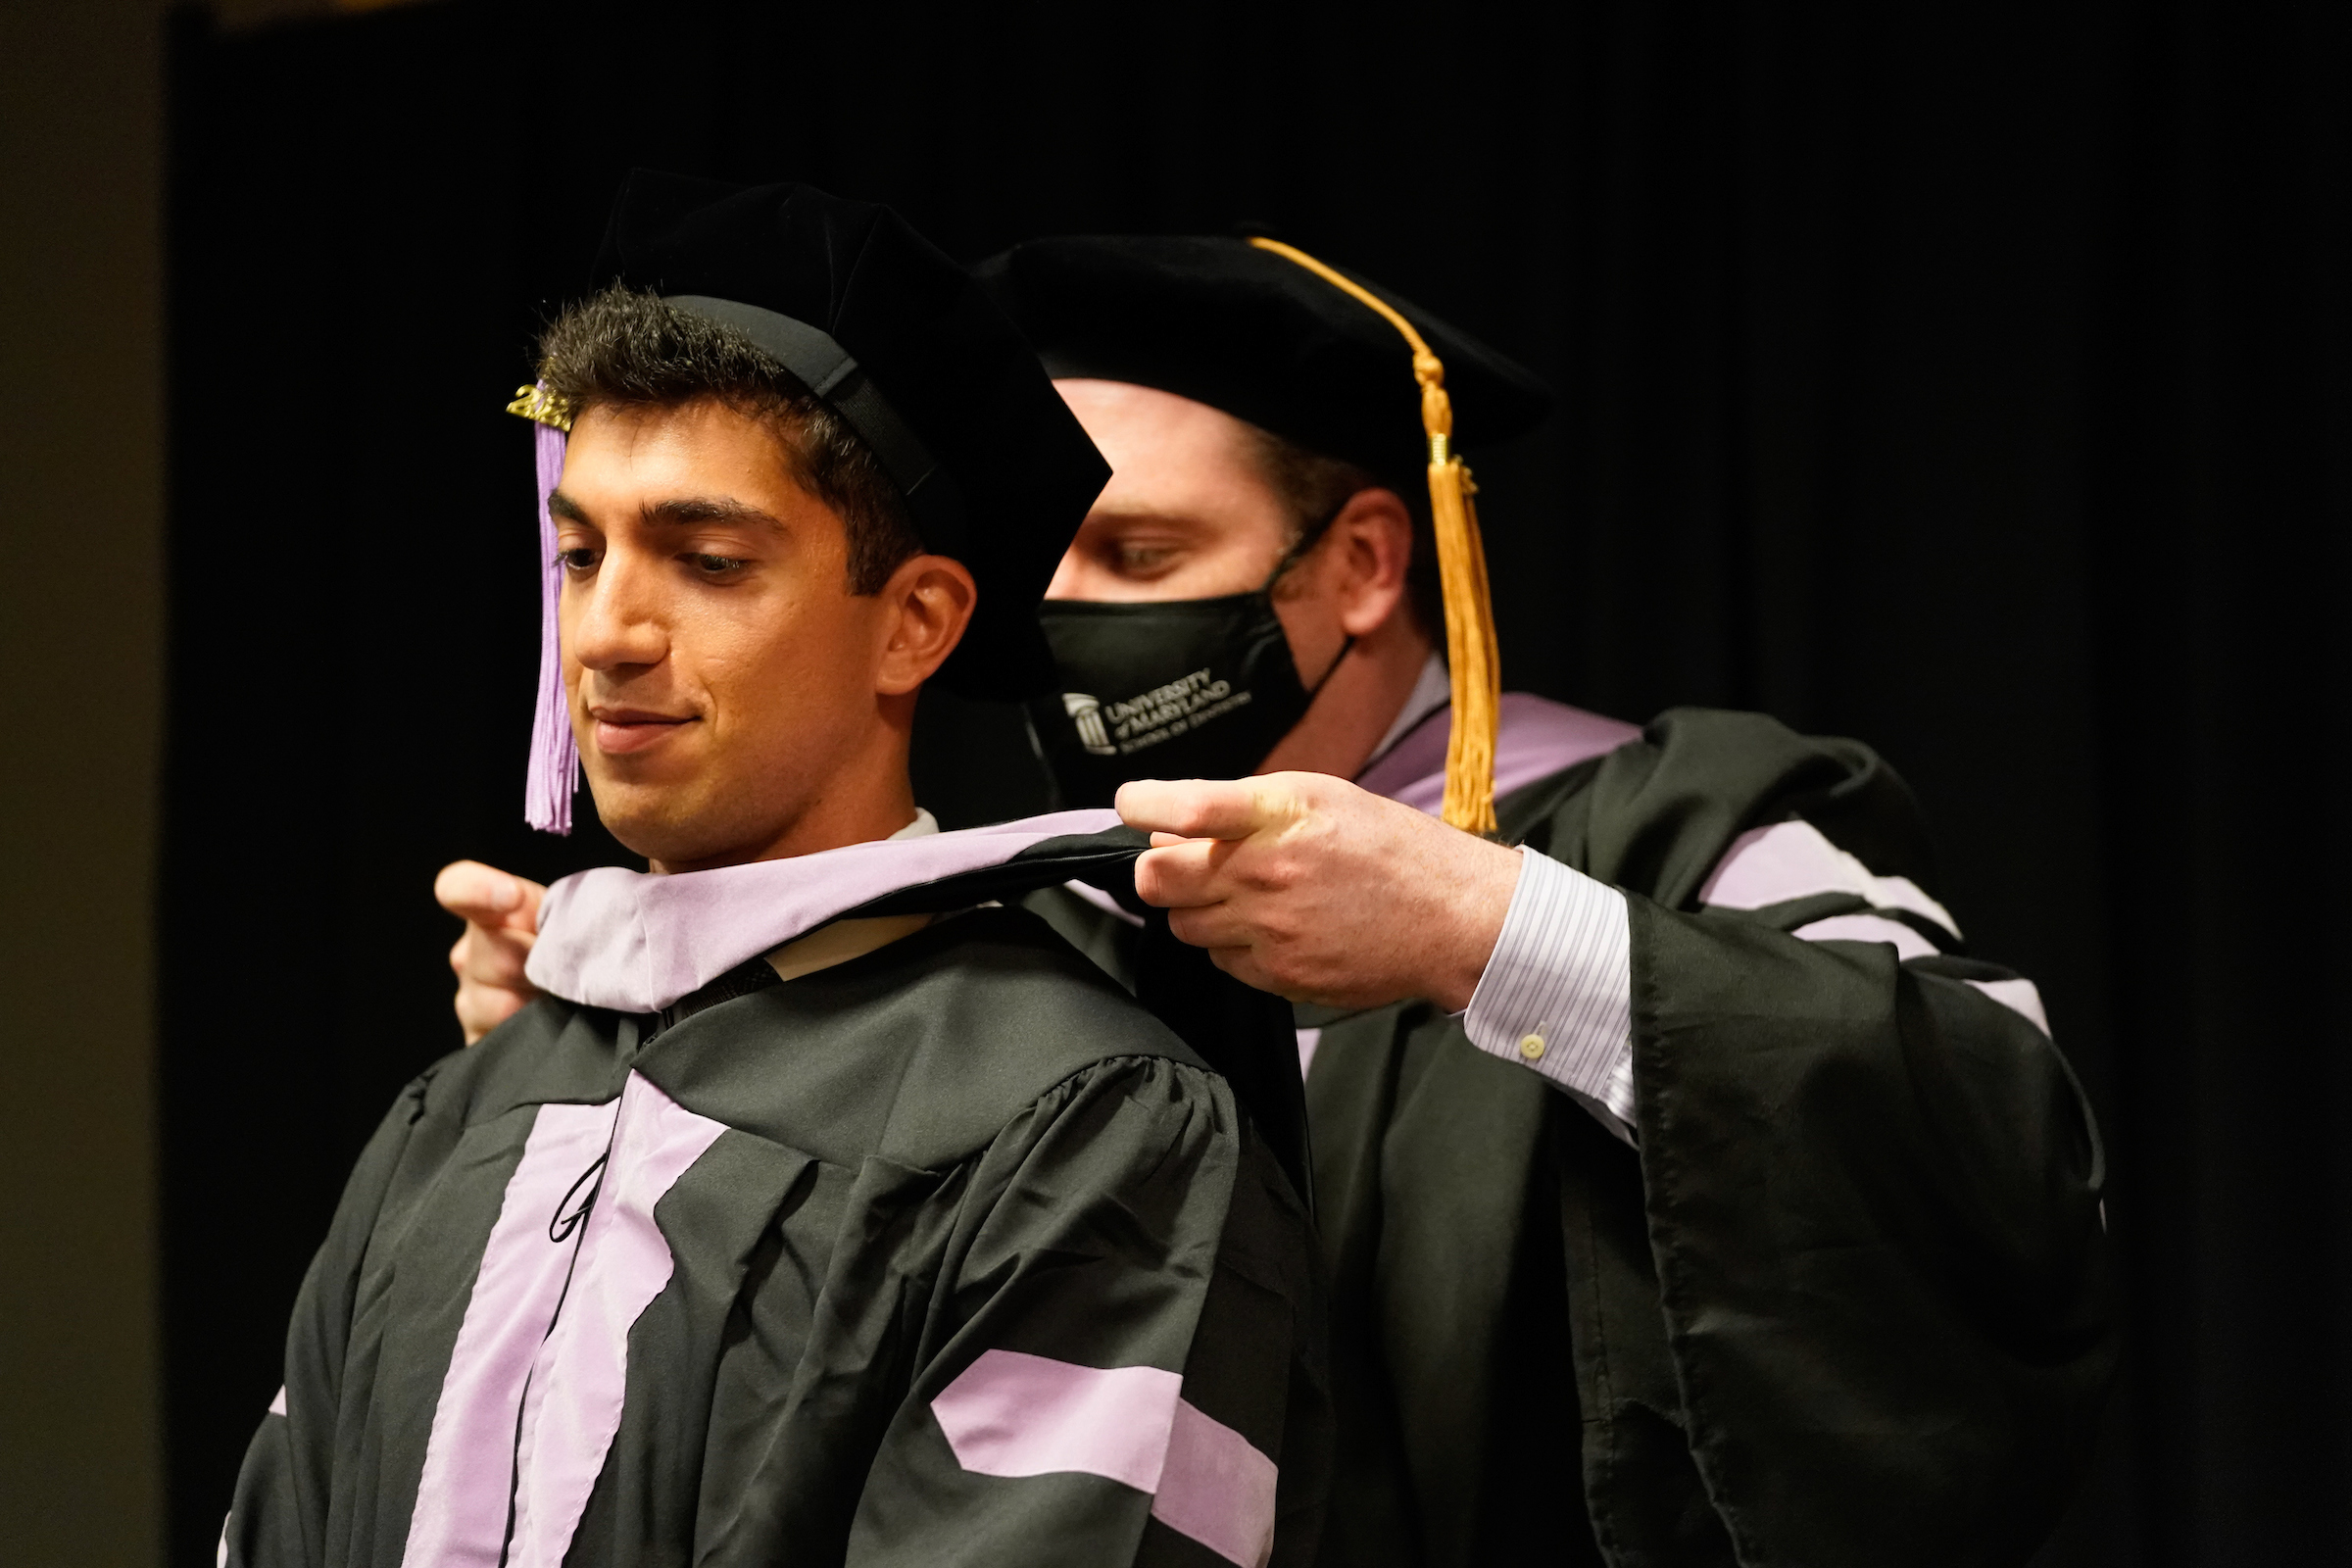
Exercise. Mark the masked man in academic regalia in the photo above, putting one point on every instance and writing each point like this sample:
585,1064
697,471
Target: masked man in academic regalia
1689,1194
824,1209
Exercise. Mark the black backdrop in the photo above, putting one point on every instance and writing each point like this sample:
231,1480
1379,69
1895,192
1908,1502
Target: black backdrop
1973,379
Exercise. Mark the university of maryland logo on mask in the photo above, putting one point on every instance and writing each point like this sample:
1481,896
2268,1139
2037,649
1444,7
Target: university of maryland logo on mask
1206,688
1087,714
1150,718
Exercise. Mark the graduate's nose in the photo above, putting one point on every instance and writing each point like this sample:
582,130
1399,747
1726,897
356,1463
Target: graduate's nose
613,620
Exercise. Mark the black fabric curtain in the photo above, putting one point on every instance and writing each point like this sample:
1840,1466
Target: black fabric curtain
1972,379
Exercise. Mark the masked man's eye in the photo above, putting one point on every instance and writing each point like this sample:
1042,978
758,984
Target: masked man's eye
718,566
577,559
1144,560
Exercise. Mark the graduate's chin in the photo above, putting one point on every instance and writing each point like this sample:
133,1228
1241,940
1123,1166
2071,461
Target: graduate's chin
676,825
654,820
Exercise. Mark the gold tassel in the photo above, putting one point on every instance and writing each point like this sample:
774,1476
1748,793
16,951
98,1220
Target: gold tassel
1471,650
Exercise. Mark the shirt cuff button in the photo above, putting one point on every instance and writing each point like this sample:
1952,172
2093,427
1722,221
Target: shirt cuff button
1532,1047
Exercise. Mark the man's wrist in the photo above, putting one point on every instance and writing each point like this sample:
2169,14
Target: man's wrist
1482,892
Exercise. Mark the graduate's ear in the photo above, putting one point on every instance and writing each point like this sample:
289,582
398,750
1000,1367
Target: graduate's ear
1370,554
926,606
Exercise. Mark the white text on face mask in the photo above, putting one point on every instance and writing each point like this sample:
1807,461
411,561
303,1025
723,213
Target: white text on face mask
1168,711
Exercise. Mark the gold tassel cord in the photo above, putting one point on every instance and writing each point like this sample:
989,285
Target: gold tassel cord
1470,645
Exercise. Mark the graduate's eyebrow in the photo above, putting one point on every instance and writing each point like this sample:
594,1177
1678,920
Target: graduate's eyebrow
685,510
688,509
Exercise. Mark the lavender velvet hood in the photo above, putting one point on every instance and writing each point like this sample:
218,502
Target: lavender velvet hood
637,943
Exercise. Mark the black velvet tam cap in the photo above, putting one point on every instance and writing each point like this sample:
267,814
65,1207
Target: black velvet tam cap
901,343
1248,331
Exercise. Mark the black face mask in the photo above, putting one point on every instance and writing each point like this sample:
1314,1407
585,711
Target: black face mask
1195,688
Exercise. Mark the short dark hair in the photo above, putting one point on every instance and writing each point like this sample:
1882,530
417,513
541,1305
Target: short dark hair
621,346
1314,489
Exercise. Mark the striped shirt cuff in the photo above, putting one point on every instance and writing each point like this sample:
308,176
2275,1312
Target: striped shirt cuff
1557,993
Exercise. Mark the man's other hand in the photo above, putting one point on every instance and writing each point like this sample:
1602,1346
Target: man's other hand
502,920
1306,885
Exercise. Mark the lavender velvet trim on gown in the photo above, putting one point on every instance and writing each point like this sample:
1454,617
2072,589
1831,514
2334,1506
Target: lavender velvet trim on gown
1537,738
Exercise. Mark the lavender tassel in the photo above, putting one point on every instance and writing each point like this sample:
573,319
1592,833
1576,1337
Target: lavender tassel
555,758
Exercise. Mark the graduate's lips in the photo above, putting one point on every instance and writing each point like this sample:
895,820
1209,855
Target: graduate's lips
633,729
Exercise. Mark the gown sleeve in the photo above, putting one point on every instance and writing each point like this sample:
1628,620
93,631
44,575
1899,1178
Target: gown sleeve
1872,1184
1874,1209
277,1516
1117,1365
1557,992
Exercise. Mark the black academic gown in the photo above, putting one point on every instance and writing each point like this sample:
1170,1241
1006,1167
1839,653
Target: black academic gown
951,1253
1847,1302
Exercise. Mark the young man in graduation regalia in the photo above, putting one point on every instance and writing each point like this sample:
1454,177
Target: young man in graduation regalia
823,1209
1689,1196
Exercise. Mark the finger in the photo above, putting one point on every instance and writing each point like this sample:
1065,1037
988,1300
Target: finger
1181,874
472,890
525,916
1199,808
485,896
496,958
